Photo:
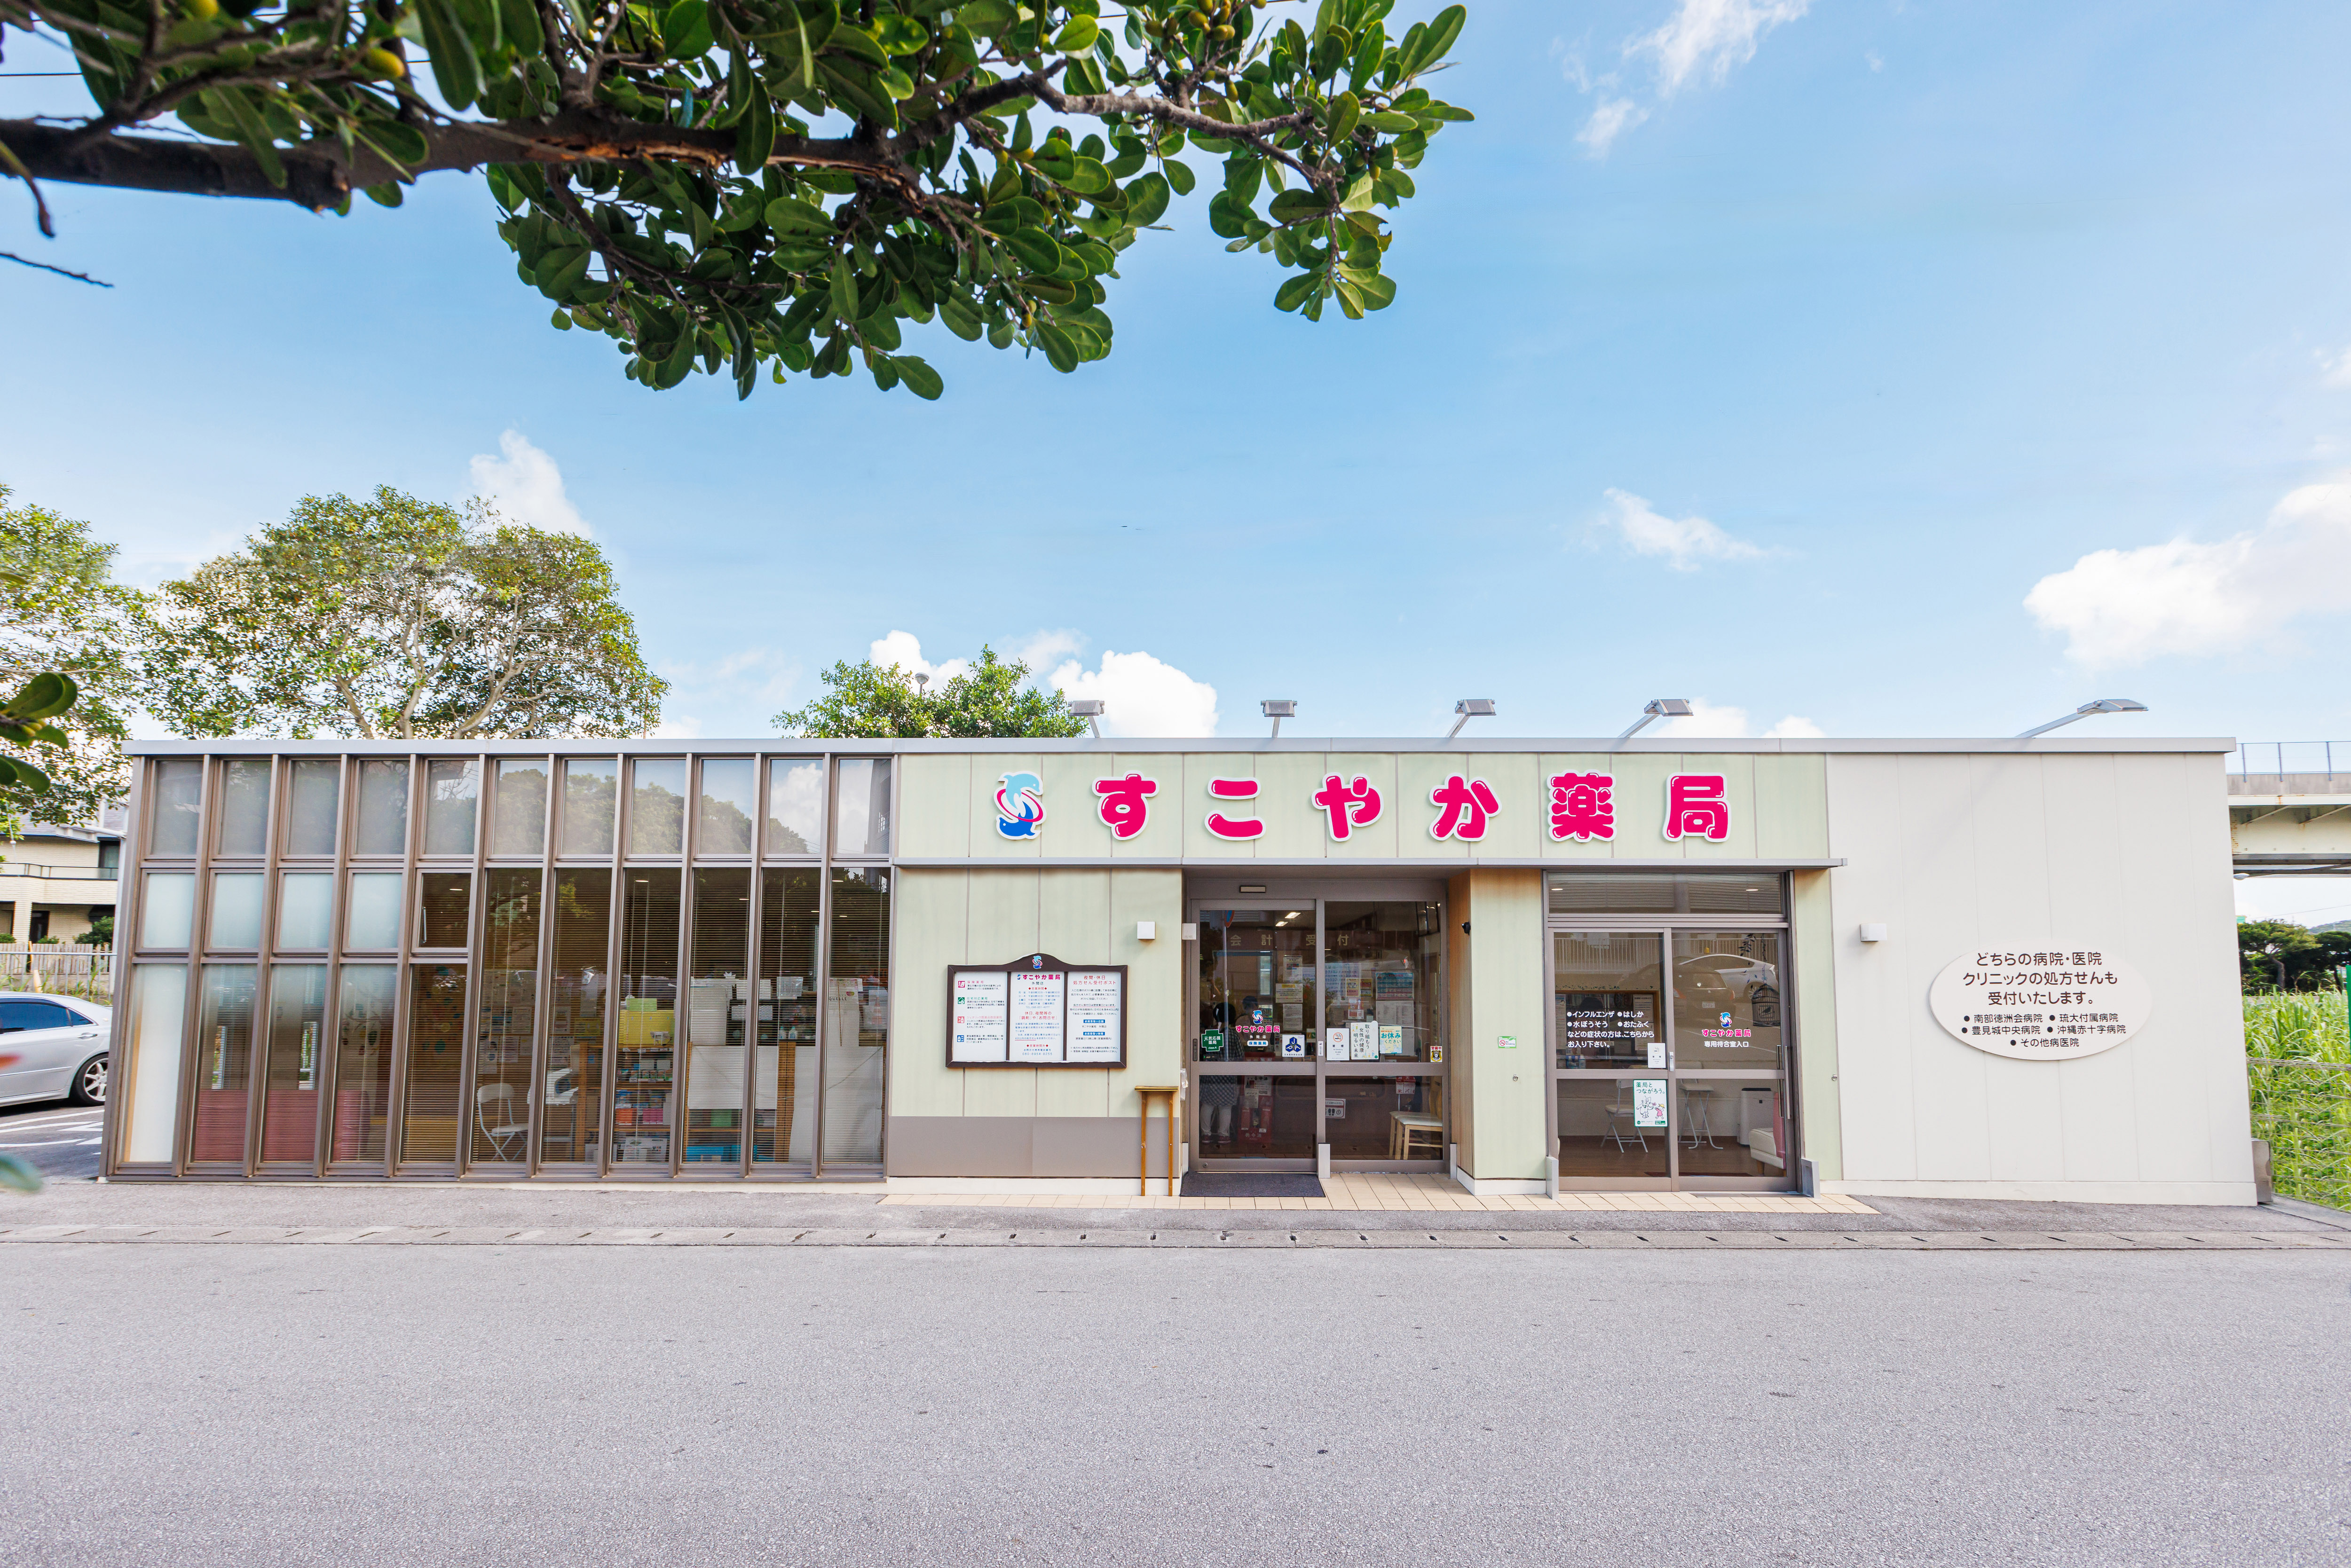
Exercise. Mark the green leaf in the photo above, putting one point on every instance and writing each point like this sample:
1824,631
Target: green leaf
986,18
844,288
1147,199
902,34
1059,352
920,379
1343,112
254,134
557,277
1089,178
787,215
755,133
1078,36
957,315
456,68
686,33
857,42
1038,250
1377,289
1391,123
1180,175
1055,160
1294,292
398,142
895,82
1296,206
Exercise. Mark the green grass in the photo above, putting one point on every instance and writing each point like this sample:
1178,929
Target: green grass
2305,1112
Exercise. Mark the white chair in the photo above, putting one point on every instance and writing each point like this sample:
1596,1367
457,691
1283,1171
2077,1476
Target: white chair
1620,1116
498,1125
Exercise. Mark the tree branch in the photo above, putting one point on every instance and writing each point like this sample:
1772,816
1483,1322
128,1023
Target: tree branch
61,272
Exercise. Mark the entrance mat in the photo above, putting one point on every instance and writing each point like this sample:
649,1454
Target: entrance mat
1248,1183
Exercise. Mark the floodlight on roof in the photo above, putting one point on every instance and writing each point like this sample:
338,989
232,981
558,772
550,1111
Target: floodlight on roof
1090,709
1469,708
1278,709
2087,710
1659,707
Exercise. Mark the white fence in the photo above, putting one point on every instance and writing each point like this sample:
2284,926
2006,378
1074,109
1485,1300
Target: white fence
63,969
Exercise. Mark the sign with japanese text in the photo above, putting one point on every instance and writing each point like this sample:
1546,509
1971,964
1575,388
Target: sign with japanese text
2041,1003
1036,1011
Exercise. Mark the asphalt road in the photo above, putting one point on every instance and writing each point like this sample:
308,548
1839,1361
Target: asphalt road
492,1404
60,1139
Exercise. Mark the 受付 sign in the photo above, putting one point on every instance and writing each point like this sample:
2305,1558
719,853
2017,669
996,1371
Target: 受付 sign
2042,1003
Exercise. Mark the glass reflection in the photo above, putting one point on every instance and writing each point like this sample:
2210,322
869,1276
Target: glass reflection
518,808
225,1062
237,910
860,817
179,799
784,1114
298,1025
1242,1117
1258,986
1611,1126
1379,971
443,908
857,1015
170,912
313,805
717,987
657,806
569,1128
506,1014
149,1088
436,1022
1727,1001
795,807
1383,1118
245,807
645,1064
452,789
375,912
1607,1003
382,827
723,817
305,902
590,798
363,1063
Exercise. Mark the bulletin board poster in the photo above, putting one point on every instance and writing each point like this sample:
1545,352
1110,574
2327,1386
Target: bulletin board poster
1036,1011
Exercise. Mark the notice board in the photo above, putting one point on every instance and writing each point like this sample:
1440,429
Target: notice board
1036,1011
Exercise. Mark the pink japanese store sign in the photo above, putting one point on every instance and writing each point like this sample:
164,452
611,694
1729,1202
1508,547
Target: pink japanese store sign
1576,806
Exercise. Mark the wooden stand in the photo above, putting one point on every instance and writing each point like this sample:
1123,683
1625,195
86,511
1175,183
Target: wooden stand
1143,1138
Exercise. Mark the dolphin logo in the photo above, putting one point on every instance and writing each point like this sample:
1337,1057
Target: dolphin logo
1019,805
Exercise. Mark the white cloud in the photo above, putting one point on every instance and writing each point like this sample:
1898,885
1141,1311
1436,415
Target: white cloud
678,728
1042,649
1611,120
1684,542
1877,61
1142,697
1709,37
742,689
1720,721
2335,369
2119,607
526,486
905,649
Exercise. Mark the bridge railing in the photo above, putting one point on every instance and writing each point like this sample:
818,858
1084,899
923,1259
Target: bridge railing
2291,767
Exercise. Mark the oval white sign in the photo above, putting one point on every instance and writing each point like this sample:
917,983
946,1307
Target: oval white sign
2042,1003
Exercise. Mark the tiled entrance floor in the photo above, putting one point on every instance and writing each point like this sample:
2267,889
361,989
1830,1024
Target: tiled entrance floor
1411,1193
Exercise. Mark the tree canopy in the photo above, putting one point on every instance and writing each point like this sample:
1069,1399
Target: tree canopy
398,618
2307,959
786,184
866,701
62,612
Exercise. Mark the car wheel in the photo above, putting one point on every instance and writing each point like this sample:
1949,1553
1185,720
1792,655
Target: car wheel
90,1083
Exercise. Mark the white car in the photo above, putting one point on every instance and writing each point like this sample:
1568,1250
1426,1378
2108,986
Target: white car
59,1044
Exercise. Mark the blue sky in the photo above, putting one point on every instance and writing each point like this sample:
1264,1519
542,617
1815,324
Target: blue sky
1895,368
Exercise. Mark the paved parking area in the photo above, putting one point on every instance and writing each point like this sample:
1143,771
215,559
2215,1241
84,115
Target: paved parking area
60,1140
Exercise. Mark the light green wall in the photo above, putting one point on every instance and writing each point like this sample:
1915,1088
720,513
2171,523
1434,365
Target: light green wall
1500,1090
1812,922
991,916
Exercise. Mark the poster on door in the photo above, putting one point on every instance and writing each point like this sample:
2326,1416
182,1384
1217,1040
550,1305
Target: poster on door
1648,1102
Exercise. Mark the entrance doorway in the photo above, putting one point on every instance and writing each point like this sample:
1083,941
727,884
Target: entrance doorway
1318,1022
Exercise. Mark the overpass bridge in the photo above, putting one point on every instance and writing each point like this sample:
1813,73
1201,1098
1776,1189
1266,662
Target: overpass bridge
2290,808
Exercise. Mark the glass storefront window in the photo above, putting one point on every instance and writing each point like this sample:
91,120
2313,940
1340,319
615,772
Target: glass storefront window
443,907
569,1126
657,806
507,1013
237,910
1251,1117
224,1065
518,808
179,803
1607,999
644,1072
363,1063
861,816
723,815
1614,1126
436,1023
591,798
1728,1019
795,807
306,905
1379,966
376,901
168,913
313,806
857,1013
1680,893
148,1087
717,987
783,1114
1385,1118
383,808
452,794
1257,986
245,807
292,1063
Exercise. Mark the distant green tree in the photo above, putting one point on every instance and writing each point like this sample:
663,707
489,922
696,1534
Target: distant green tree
866,701
396,618
61,611
100,933
2270,951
